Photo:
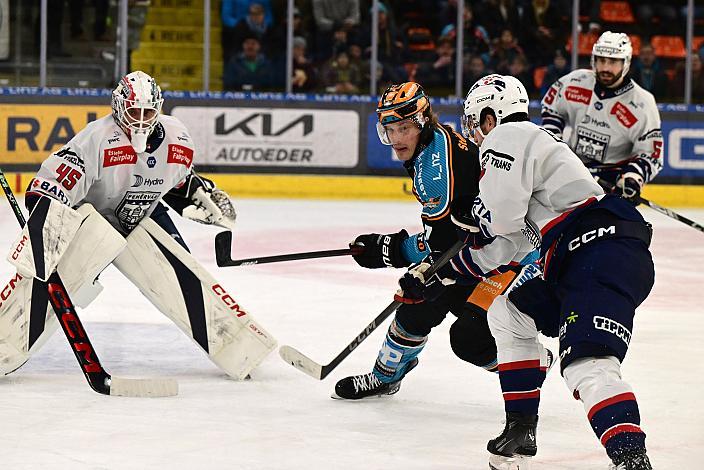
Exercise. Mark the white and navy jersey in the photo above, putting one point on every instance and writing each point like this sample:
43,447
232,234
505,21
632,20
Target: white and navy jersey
531,182
100,166
610,128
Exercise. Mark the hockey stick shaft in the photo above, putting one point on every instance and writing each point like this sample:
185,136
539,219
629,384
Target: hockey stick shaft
98,379
223,253
318,371
656,207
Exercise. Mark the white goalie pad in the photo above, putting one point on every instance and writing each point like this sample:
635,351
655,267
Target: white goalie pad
177,285
27,319
44,238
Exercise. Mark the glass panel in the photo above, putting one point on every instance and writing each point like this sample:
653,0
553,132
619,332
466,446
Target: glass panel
80,45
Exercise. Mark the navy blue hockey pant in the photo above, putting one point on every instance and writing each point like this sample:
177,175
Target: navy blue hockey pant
591,303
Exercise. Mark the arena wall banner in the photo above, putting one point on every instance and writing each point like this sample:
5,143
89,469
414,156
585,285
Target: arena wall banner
273,137
30,132
262,144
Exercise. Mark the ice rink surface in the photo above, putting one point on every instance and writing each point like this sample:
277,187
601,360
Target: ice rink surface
282,419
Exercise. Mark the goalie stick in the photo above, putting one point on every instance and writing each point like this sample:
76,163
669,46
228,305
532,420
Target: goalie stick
656,207
98,379
223,253
318,371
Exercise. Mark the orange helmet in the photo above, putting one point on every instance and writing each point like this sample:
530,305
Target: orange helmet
399,102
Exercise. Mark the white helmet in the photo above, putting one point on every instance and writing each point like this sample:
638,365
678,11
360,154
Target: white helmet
615,46
504,94
136,103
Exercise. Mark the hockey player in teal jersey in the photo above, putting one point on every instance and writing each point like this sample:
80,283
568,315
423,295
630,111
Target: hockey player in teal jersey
444,168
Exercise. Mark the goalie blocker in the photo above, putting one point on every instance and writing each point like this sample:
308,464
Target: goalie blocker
173,281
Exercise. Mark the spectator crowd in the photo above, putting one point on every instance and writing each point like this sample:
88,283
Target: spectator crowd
529,39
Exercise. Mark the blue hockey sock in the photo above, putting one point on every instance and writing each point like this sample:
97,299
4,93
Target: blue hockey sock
397,353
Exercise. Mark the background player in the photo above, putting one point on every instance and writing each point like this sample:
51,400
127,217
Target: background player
615,124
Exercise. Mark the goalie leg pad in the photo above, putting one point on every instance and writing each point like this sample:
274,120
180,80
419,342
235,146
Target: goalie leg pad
45,238
180,288
27,320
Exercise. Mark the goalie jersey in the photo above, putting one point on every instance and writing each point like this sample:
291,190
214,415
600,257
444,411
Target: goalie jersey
100,166
610,128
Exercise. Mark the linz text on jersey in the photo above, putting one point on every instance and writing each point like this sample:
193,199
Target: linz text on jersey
437,165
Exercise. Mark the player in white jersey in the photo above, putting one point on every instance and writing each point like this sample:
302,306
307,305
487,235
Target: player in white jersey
614,123
597,270
124,163
96,202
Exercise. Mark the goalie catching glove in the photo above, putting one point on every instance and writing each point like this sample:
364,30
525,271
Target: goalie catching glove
198,199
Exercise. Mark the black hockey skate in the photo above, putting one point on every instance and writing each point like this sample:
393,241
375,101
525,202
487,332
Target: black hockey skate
632,460
515,446
368,385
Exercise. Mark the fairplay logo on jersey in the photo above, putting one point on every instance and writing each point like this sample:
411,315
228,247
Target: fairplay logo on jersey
624,115
578,94
180,155
119,156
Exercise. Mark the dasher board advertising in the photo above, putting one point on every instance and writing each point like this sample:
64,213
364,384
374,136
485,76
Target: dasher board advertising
273,137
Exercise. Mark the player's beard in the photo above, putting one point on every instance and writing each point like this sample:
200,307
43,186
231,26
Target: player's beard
608,79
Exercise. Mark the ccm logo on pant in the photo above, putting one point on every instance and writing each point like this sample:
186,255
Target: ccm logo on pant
591,235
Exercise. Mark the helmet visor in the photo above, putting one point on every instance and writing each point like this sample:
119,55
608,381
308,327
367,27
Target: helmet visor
401,130
470,124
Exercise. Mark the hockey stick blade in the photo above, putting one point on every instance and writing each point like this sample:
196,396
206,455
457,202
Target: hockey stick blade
302,362
151,388
318,371
223,253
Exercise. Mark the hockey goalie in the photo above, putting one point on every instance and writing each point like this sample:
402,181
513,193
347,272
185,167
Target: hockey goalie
98,201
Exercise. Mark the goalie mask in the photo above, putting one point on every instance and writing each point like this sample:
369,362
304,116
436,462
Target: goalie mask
136,103
406,101
613,46
503,94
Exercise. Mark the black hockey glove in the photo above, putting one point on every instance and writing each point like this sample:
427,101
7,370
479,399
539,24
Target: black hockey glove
468,227
380,251
415,288
628,186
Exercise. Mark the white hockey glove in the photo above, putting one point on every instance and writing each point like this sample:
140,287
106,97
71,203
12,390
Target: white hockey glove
629,185
211,206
